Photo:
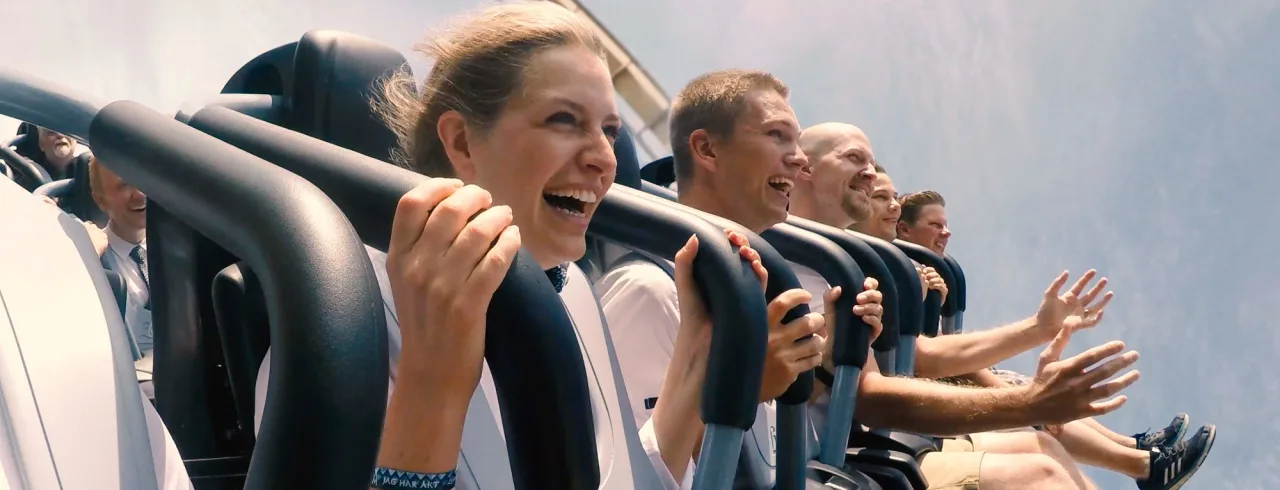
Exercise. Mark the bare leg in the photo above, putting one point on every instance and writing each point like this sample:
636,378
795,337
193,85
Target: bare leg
1091,447
1025,472
1126,441
1031,443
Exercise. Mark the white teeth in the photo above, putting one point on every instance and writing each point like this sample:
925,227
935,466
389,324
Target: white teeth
583,195
782,180
570,212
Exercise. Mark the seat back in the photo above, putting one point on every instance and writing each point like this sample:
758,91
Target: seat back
268,73
934,304
78,200
332,339
907,285
955,324
329,331
26,172
74,417
244,334
661,171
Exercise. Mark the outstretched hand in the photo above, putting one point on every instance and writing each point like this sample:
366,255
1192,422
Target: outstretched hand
1075,309
1071,389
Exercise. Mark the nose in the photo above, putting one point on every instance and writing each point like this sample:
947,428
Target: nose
601,158
894,206
946,232
797,159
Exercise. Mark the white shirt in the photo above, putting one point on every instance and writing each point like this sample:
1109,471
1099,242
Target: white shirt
484,462
640,302
171,473
813,282
137,294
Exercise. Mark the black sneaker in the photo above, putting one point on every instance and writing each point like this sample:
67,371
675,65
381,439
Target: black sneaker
1164,437
1172,466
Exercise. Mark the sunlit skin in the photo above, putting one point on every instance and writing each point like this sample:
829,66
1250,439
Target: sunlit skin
885,210
558,127
58,149
125,205
930,229
748,178
835,189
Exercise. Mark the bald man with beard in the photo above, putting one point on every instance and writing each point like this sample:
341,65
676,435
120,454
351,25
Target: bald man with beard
838,189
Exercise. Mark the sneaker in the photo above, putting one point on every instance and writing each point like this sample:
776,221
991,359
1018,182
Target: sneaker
1172,466
1164,437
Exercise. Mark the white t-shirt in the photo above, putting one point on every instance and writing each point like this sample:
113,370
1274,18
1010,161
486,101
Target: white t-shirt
813,282
640,302
483,462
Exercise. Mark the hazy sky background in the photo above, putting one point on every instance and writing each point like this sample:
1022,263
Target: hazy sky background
1136,137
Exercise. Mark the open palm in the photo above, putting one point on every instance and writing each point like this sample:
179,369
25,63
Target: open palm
1075,309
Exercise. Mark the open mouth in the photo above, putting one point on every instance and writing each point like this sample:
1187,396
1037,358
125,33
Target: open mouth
572,202
139,209
782,184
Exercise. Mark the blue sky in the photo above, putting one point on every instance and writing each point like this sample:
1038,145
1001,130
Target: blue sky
1133,137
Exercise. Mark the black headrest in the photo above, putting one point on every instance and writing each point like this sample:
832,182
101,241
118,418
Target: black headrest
30,145
661,171
267,74
335,75
624,149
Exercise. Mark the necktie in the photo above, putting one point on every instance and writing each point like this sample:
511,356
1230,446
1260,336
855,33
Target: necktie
557,275
140,257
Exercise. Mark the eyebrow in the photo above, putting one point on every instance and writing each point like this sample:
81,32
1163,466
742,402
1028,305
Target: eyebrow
859,151
574,105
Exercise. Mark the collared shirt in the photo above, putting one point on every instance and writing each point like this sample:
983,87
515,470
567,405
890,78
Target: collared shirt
483,460
138,295
642,307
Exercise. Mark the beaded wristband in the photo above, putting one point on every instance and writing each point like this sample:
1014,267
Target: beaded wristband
389,479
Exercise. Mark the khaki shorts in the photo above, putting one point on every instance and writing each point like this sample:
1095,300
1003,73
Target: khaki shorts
955,467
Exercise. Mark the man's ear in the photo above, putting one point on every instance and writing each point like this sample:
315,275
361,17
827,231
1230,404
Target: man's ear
97,199
702,148
902,228
453,134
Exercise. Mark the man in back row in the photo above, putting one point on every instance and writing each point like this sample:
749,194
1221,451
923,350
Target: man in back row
737,155
126,254
1144,456
869,206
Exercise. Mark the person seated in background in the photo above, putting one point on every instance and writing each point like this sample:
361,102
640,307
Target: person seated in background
738,154
836,190
126,254
743,116
1155,459
171,471
515,122
49,149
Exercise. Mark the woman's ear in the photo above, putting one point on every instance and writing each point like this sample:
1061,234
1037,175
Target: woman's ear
452,131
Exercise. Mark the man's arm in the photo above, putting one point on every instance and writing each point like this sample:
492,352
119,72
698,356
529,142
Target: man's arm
954,355
1062,391
934,408
986,379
